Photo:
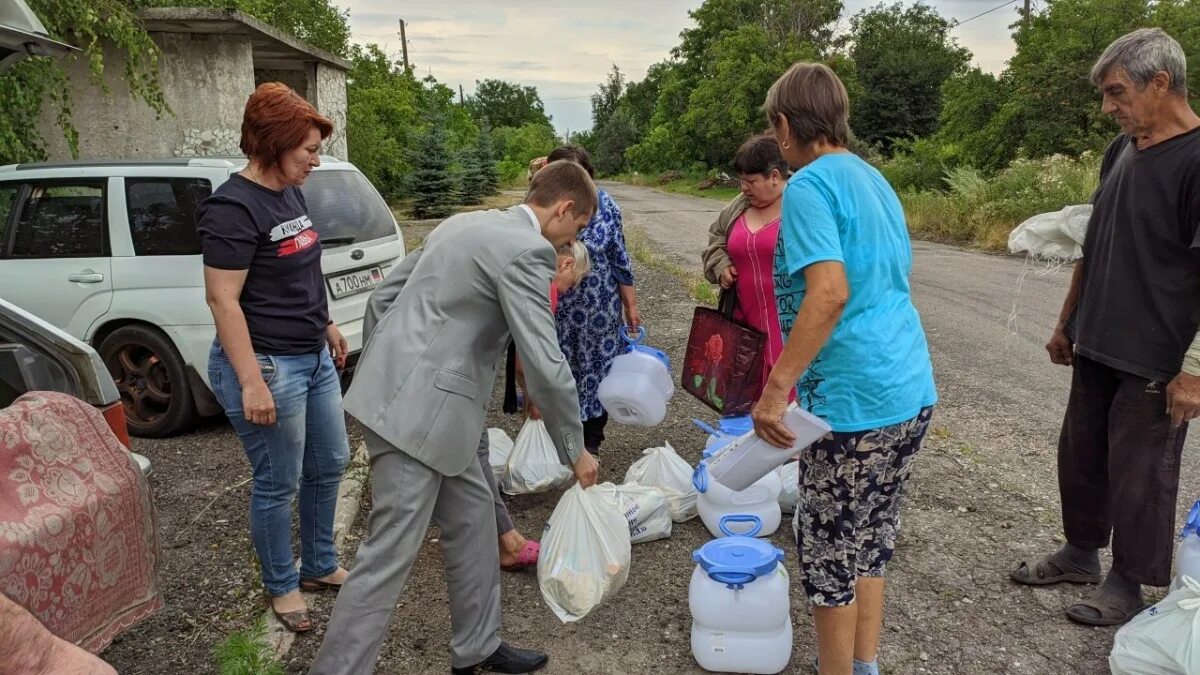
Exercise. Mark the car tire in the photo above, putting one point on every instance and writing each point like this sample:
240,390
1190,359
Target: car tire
151,379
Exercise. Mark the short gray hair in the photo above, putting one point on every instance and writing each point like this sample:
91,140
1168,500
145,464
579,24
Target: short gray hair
1142,54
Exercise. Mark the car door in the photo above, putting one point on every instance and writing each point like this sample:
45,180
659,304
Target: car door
54,250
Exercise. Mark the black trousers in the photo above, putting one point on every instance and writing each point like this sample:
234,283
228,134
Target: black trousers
1118,470
593,433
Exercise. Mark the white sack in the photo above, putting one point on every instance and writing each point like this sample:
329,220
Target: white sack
534,465
645,509
1162,640
1057,236
585,554
662,468
499,448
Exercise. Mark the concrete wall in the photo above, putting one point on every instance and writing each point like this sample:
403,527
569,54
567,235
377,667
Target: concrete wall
331,102
205,79
302,81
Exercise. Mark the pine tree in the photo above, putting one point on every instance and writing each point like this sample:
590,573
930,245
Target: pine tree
432,184
480,178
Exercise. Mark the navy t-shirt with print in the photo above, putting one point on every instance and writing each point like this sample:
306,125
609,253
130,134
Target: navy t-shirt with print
246,226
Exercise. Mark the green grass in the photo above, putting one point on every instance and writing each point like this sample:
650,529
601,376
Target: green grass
687,185
246,653
640,246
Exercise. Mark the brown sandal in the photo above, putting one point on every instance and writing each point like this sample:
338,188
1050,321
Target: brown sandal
1050,570
316,586
1109,609
297,621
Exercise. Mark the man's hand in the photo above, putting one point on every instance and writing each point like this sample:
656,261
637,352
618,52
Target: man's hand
1062,351
531,409
587,469
728,277
1183,398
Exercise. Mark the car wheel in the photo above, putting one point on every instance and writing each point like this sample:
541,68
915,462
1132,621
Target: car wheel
151,379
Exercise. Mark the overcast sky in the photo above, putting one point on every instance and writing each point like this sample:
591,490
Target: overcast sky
566,49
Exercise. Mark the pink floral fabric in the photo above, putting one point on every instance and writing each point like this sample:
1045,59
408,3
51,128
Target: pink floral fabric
78,539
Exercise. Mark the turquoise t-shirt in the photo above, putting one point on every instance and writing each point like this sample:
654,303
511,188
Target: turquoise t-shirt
875,371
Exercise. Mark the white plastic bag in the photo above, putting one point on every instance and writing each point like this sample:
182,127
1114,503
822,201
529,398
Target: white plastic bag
1162,640
585,554
790,475
644,508
499,448
1055,237
662,468
534,465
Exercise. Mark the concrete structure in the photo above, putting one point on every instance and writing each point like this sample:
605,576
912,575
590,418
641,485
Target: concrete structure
211,60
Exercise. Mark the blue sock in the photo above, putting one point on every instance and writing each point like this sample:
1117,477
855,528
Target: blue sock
861,668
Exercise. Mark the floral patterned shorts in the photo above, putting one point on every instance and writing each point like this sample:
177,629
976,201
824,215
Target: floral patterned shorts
849,509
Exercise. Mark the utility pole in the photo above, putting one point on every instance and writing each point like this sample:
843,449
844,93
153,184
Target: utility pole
461,99
1027,2
404,46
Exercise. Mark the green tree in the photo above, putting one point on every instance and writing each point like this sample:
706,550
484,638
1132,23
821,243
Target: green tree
517,146
783,21
504,104
902,56
317,22
480,178
432,183
970,101
383,116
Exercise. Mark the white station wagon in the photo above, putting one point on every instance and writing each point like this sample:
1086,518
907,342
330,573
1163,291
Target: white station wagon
108,251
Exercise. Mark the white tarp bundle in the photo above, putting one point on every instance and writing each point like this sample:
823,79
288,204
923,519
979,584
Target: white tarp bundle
1054,237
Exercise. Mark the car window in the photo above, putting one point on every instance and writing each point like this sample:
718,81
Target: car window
162,214
8,199
61,220
344,208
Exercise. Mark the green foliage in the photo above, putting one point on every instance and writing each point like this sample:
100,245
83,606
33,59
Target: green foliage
970,101
246,653
384,112
432,183
316,22
920,164
902,57
480,178
504,104
517,146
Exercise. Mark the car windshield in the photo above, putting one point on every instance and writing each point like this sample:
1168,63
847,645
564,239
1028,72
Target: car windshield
345,209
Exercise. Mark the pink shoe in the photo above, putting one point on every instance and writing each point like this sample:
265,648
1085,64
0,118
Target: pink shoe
527,558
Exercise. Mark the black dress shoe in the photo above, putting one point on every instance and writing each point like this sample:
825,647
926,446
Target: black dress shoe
509,660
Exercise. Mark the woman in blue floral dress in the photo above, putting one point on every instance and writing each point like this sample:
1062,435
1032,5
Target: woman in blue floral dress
590,316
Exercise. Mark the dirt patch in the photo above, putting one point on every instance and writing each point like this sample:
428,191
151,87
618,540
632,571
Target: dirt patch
950,606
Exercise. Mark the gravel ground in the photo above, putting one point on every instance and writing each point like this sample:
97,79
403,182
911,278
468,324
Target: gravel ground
950,606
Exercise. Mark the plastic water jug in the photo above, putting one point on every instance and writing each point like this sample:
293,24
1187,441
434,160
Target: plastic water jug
1187,558
741,463
638,386
740,604
760,500
728,430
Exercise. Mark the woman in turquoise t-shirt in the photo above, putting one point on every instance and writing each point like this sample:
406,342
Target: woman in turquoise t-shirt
856,355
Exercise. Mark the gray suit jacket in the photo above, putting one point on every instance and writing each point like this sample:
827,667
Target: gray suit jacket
436,329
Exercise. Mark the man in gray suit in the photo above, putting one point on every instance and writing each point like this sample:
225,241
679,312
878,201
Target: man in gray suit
436,330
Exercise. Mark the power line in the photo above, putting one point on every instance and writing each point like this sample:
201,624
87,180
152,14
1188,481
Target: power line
996,8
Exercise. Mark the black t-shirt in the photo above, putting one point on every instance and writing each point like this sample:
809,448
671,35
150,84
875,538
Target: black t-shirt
1139,303
245,226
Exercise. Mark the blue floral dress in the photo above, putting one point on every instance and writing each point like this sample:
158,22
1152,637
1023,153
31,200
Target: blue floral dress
589,315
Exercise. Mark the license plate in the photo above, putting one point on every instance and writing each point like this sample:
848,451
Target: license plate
358,281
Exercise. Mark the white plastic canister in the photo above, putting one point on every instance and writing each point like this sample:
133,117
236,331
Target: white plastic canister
760,500
740,604
638,386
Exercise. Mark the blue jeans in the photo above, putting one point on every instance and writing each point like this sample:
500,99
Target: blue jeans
306,450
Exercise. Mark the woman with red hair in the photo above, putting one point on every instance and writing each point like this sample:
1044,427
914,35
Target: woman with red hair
272,366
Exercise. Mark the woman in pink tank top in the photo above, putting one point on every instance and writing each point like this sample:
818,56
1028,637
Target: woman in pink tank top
742,242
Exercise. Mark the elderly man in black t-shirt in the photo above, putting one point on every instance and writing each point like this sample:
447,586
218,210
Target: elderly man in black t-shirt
1129,329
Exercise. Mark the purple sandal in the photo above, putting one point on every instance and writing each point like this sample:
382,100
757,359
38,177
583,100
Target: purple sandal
527,558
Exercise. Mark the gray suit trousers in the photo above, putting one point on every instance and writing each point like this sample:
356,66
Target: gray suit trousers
407,495
504,523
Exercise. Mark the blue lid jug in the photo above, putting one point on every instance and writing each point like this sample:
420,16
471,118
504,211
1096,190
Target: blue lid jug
1192,524
738,559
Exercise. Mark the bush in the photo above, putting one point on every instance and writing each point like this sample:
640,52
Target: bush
920,164
975,209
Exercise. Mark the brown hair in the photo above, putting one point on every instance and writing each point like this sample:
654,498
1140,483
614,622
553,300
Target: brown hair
276,121
562,180
813,100
760,154
573,153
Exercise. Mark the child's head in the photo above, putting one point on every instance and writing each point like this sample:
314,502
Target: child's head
573,263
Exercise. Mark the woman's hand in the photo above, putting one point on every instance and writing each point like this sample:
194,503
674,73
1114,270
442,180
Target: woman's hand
633,317
338,349
729,277
768,417
257,403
